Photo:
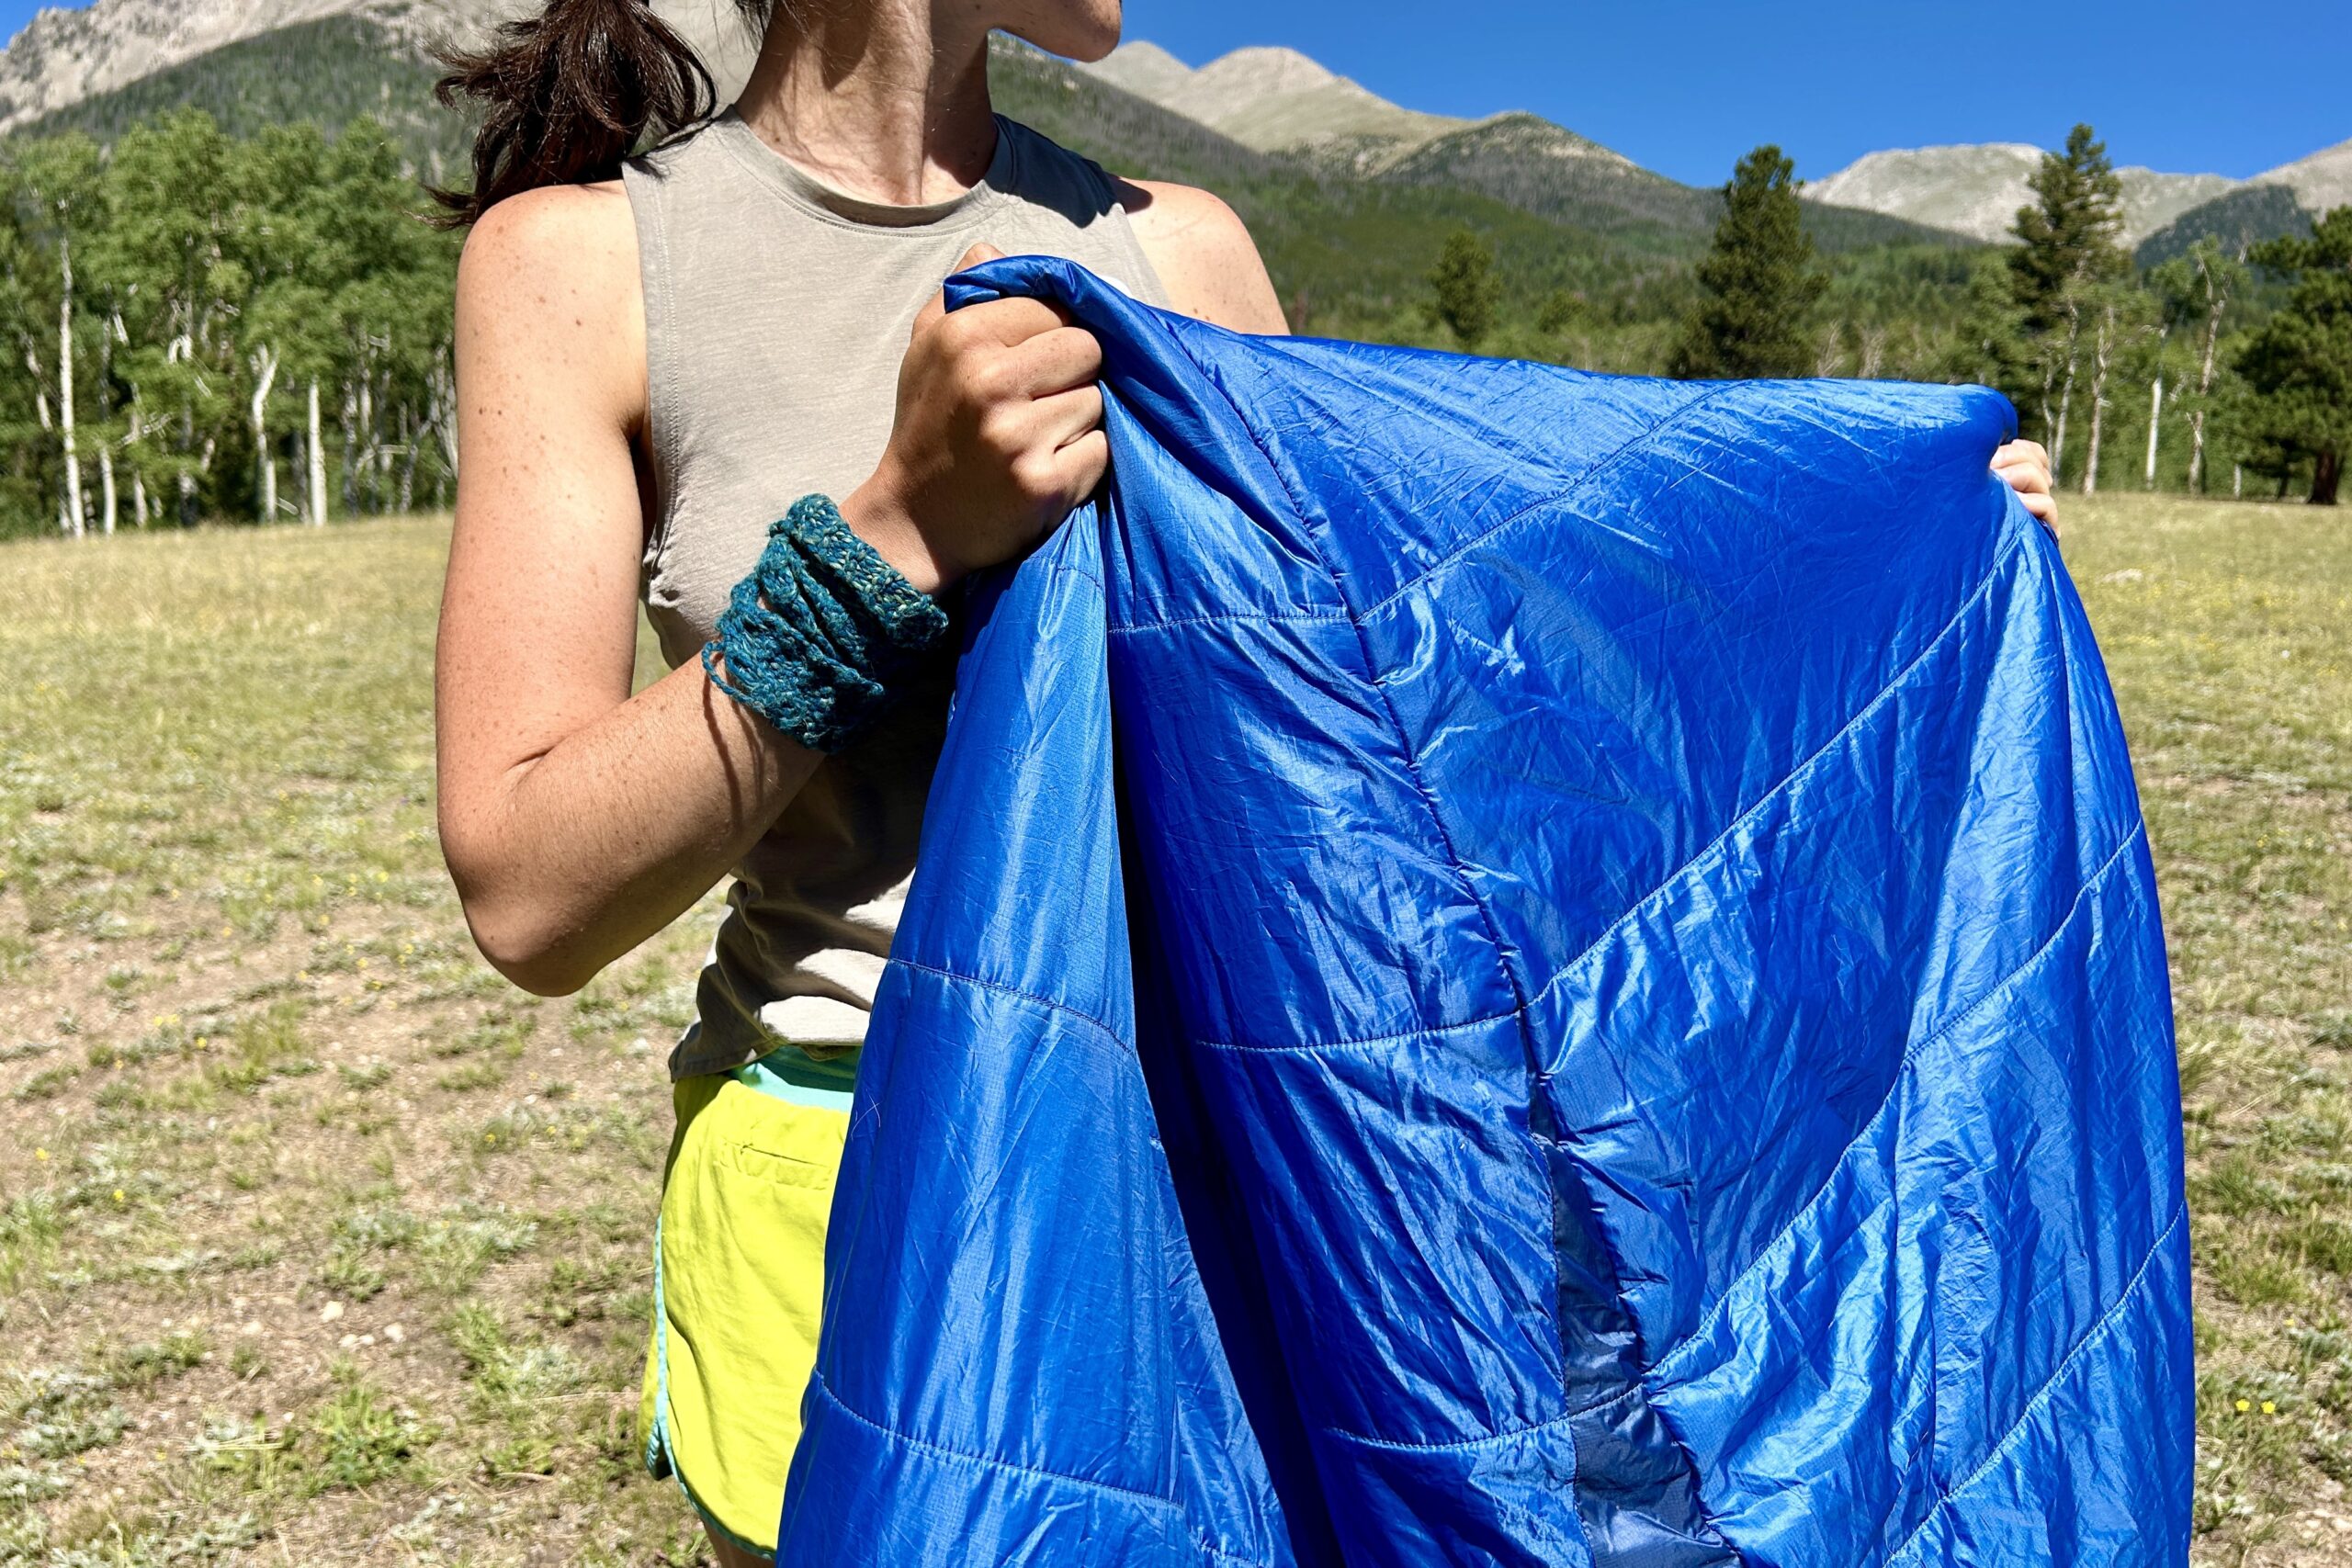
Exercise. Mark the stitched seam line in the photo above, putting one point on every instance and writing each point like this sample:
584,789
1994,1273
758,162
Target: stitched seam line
1396,725
1064,1008
1433,1031
1844,732
1463,1444
2043,1396
1063,568
1636,909
1267,619
1641,438
1503,963
1662,1369
937,1451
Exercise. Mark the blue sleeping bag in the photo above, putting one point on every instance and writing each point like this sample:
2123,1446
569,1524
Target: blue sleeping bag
1514,968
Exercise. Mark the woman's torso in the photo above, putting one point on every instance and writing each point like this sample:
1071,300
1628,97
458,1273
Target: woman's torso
777,313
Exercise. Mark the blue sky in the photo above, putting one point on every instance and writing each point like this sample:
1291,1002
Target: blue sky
1687,85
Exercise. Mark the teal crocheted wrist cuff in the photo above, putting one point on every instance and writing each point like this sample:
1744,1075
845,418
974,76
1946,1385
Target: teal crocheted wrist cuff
817,638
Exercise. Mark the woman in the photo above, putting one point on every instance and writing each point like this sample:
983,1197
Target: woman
656,363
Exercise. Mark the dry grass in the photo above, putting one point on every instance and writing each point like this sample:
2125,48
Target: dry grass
2228,630
319,1245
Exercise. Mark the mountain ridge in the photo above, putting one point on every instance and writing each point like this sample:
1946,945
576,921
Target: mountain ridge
1281,102
1270,98
66,57
92,68
1975,188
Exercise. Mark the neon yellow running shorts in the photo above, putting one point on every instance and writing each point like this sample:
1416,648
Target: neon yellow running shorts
738,1265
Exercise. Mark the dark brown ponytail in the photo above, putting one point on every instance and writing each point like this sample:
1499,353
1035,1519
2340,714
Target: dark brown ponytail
567,95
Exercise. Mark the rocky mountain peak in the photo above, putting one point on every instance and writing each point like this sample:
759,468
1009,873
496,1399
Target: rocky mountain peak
1976,190
1269,99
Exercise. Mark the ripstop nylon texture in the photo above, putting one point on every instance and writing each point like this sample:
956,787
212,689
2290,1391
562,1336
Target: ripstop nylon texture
1514,968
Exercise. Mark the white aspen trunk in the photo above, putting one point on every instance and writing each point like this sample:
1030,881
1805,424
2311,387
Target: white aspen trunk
2048,420
1825,357
138,497
107,491
2156,419
350,451
1873,353
444,413
318,456
410,446
65,387
2217,303
265,363
367,437
2237,481
2058,438
2100,353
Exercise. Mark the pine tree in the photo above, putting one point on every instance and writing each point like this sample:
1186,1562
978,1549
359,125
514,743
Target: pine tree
2298,366
2069,246
1469,295
1989,345
1759,278
2071,233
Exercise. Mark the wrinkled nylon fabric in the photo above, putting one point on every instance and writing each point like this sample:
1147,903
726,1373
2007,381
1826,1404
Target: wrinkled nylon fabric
1514,968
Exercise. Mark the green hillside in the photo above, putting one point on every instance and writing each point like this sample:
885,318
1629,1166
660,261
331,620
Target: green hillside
1349,252
1343,251
327,73
2245,215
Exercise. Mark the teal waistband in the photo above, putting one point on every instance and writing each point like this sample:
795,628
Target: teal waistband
793,1075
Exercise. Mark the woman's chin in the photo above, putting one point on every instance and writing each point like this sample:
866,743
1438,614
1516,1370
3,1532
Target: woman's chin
1083,30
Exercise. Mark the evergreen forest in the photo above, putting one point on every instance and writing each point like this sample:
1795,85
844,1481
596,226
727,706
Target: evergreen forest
245,316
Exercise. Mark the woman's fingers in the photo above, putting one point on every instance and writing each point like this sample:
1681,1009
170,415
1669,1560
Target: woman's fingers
1056,360
2025,478
1081,465
1065,416
2024,466
936,306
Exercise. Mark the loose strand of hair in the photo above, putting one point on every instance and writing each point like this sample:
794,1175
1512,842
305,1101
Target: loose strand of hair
565,95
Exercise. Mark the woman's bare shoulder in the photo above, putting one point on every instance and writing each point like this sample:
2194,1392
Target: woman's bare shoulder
552,275
1203,255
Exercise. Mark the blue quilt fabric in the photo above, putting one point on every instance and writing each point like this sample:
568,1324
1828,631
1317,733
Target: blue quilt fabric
1514,968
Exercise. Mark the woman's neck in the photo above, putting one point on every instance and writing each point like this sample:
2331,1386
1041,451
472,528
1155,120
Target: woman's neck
886,100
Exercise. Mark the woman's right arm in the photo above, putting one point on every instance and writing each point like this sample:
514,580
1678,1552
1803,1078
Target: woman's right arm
579,820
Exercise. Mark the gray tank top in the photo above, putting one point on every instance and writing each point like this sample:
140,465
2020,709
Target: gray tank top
777,311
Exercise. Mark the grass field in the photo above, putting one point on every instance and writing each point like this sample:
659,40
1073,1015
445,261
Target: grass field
318,1245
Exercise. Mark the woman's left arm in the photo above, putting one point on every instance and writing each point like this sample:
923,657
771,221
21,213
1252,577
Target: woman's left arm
1204,257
